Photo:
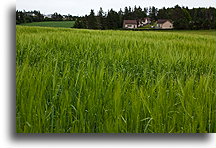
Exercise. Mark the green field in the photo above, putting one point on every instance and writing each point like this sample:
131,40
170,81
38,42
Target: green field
62,24
91,81
196,32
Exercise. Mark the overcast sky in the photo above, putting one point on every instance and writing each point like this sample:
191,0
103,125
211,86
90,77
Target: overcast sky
82,7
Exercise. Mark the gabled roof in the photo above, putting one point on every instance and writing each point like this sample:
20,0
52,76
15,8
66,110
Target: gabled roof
144,19
147,18
161,21
130,22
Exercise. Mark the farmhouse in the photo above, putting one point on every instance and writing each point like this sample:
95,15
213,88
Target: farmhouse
130,24
144,21
164,24
136,23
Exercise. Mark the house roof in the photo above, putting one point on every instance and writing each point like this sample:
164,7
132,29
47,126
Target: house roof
130,22
161,21
147,18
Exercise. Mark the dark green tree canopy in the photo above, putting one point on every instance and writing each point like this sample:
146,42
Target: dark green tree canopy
182,17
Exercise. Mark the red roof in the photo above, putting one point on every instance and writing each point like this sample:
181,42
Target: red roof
161,21
130,22
147,18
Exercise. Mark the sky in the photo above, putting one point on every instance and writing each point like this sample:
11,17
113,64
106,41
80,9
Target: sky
82,7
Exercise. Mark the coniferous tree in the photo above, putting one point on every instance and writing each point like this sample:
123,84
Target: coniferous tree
162,13
91,20
100,21
126,13
145,11
121,15
112,19
153,13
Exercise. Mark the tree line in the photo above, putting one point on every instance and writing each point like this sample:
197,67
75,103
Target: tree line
182,17
36,16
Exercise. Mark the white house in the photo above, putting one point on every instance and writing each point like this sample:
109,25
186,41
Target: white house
144,21
130,24
164,24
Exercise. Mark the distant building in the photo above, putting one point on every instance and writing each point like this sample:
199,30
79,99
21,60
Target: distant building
164,24
130,24
30,14
64,17
48,16
136,23
144,21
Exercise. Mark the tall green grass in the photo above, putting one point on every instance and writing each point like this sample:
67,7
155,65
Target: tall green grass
88,81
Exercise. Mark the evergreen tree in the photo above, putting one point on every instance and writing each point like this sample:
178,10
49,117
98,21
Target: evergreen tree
162,13
100,21
126,13
91,20
145,11
153,13
112,19
121,15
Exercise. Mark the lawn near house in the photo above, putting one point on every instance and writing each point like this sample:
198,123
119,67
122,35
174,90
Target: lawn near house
93,81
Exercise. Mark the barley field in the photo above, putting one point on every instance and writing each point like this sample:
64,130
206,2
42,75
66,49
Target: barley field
92,81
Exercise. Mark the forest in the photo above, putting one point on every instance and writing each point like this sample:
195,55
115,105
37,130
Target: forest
36,16
182,17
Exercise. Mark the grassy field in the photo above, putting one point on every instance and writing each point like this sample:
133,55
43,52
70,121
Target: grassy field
90,81
62,24
196,32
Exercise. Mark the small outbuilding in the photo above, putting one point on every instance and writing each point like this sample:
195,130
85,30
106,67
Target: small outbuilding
164,24
130,24
144,21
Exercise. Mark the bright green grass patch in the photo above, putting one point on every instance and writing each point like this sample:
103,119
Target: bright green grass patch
63,24
91,81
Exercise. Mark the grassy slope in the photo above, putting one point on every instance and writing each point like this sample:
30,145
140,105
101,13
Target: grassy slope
63,24
70,80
